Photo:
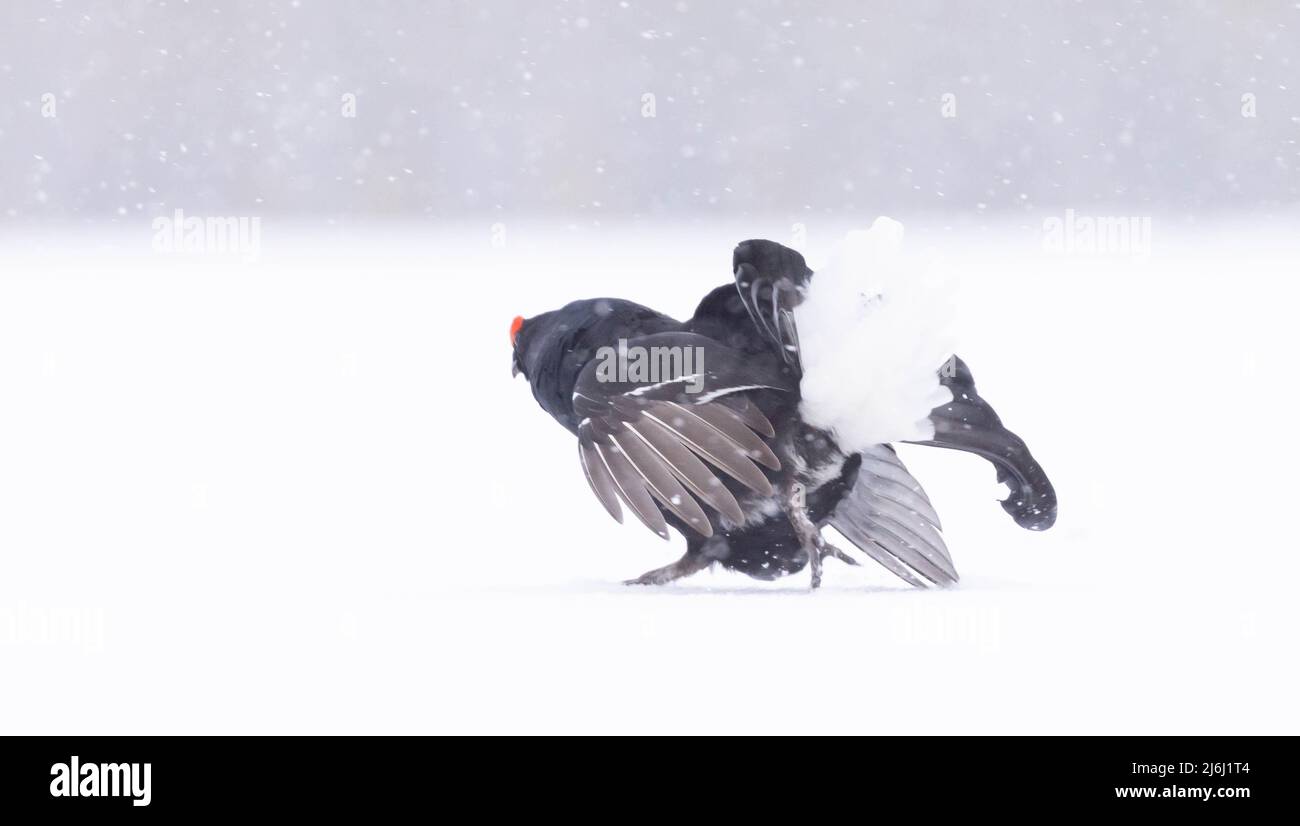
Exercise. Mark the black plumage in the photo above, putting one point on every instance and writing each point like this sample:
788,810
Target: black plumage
718,449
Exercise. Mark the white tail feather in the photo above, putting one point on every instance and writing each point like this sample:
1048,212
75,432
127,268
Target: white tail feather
873,334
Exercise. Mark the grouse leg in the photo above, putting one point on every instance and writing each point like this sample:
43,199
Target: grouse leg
691,563
809,535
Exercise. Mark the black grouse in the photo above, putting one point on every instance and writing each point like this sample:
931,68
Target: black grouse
709,425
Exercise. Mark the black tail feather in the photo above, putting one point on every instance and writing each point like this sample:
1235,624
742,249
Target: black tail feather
968,423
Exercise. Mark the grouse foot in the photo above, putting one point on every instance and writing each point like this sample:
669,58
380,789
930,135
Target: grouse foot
830,550
810,536
691,563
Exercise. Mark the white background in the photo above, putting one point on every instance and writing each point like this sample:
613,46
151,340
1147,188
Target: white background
305,495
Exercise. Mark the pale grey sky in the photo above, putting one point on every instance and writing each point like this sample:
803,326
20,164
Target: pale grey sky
464,109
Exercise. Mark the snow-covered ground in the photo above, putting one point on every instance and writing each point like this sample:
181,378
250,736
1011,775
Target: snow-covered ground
303,494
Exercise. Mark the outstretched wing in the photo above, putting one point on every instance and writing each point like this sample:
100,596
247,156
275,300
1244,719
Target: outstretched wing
889,517
771,278
658,442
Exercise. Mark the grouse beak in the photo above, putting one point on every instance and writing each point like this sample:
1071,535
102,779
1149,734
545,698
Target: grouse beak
514,369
